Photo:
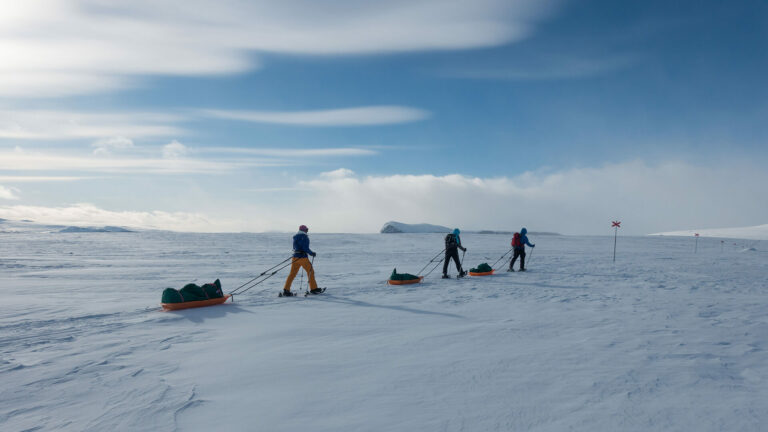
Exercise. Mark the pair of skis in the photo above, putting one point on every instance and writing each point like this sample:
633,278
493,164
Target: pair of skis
306,293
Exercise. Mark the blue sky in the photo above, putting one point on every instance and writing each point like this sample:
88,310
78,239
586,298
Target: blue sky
559,115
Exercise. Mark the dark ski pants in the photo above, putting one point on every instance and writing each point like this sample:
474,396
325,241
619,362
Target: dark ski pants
518,253
451,253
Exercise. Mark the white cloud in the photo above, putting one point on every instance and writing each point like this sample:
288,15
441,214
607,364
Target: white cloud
47,124
338,174
174,150
59,47
106,145
91,215
357,116
8,193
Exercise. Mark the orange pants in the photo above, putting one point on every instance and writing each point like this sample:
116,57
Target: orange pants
296,264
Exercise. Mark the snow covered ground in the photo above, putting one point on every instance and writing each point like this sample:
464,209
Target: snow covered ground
664,339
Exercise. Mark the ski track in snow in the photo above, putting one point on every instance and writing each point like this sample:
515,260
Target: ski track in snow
664,339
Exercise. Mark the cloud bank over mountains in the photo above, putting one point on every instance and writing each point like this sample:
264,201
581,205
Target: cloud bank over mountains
576,201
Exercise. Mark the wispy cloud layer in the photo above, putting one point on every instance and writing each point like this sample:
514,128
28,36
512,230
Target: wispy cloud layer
172,158
39,179
290,152
63,125
358,116
60,47
115,131
38,162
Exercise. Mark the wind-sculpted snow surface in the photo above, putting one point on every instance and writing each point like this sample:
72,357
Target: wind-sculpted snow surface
662,340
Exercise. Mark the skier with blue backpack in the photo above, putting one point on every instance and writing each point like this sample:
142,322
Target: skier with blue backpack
452,246
519,240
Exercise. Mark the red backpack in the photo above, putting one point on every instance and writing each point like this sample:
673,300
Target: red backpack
516,240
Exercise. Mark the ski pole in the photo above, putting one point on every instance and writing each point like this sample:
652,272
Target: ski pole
301,281
531,257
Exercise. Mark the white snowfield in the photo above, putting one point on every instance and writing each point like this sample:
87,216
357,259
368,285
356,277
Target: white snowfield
662,340
759,232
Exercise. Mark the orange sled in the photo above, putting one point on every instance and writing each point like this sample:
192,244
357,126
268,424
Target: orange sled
482,274
405,282
194,304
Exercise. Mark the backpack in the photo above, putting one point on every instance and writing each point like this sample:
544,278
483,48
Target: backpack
450,242
516,243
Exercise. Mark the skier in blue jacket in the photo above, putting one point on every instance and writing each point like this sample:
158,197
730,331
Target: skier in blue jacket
300,260
518,245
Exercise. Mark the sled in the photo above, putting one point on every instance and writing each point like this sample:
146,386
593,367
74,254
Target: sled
405,282
195,304
482,274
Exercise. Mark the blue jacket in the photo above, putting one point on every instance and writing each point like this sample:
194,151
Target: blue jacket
301,245
524,237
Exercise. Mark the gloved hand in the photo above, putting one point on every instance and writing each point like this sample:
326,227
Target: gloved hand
464,249
314,254
533,245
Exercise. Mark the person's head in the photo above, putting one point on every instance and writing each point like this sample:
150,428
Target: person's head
303,228
523,231
456,231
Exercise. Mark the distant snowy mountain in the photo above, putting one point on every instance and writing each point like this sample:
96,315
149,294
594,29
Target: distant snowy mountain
28,226
399,227
75,229
759,232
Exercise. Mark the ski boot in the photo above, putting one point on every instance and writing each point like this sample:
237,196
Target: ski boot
317,291
462,274
510,269
522,269
286,293
445,276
